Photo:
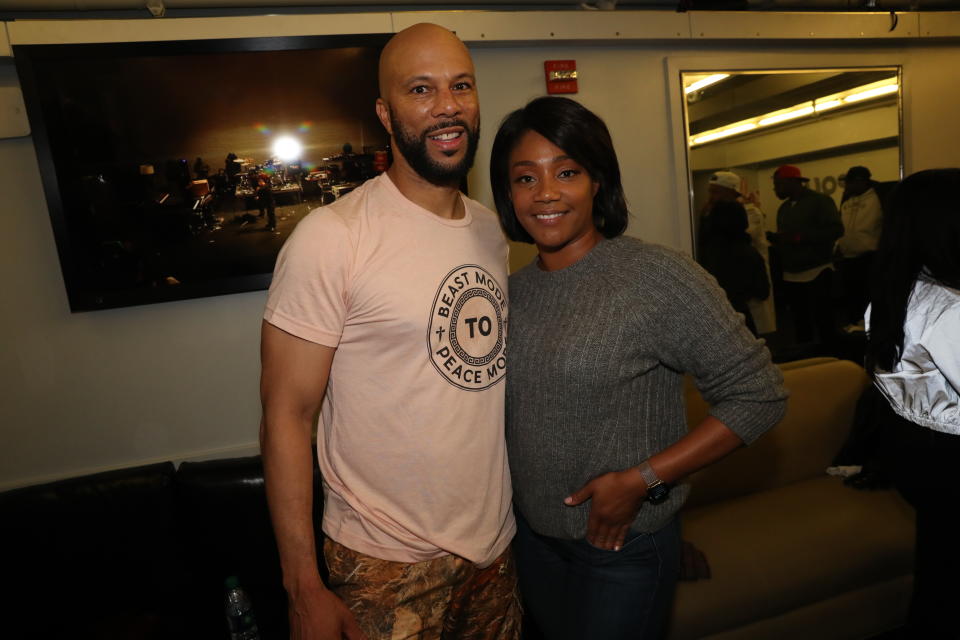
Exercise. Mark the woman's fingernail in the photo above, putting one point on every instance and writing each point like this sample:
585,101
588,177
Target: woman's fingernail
616,548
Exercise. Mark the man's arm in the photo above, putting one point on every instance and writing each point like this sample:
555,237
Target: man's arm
293,380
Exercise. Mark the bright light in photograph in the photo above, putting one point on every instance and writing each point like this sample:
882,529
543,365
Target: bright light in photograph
287,148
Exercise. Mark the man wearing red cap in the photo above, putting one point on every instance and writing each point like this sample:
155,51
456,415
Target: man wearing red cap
808,225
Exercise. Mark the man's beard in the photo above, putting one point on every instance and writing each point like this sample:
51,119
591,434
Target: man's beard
414,150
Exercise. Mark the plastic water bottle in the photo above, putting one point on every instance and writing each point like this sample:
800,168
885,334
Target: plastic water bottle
239,611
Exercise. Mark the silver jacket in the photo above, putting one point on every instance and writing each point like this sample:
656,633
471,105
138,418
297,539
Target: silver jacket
923,386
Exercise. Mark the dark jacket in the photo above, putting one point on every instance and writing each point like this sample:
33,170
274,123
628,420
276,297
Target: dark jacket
807,229
738,268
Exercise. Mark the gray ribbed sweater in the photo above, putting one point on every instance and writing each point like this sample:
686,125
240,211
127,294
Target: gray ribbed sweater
597,353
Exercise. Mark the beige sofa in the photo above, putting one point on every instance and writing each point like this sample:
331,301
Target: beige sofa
795,554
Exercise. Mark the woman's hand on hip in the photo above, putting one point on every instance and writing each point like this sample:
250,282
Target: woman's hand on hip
615,500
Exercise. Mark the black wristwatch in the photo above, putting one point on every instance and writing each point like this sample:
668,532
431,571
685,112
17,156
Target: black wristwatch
657,489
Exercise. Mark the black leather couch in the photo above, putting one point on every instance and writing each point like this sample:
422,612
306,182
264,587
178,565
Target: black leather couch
140,553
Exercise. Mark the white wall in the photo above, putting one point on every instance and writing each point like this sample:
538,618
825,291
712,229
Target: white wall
625,87
93,390
884,165
83,392
823,174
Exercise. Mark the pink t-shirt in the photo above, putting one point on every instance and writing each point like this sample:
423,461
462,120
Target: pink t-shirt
410,438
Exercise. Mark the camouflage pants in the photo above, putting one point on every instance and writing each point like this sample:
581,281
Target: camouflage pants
444,599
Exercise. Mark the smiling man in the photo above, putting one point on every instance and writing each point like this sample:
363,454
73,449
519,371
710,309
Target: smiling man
387,315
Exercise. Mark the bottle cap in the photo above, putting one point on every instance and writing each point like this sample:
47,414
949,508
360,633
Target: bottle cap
231,582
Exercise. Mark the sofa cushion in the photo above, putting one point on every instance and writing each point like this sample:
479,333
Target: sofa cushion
98,550
862,613
805,362
819,416
778,550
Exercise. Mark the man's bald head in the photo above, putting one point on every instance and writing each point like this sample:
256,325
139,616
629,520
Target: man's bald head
428,104
408,47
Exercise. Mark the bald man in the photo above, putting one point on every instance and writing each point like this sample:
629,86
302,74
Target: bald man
387,316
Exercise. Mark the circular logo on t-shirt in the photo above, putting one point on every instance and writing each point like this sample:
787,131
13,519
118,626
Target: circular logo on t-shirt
465,334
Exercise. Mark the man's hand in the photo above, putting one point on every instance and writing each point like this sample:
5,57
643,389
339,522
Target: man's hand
318,614
615,500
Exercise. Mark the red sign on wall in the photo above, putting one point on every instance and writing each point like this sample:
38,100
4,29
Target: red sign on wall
561,76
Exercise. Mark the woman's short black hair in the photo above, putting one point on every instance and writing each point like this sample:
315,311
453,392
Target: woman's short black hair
584,137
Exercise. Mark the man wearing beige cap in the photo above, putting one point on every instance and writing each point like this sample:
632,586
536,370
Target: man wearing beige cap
727,186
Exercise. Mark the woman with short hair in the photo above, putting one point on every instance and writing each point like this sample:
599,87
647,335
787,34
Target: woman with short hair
913,355
602,330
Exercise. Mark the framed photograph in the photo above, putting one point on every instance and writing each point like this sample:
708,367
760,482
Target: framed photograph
176,170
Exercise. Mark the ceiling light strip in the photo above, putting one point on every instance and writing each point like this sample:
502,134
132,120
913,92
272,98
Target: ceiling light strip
706,82
856,94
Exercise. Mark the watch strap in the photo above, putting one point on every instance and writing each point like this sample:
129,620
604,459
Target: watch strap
657,489
649,475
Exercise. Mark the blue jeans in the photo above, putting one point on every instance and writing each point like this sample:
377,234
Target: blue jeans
575,591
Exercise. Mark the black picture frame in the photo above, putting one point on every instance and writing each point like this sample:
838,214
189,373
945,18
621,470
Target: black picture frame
45,102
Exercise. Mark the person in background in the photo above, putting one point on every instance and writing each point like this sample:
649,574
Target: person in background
862,218
808,225
396,294
231,166
201,169
351,164
263,193
729,256
913,355
602,329
725,186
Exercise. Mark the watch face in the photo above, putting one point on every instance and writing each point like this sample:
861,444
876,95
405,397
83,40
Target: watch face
658,494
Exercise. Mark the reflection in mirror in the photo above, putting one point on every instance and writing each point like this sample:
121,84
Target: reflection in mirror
793,254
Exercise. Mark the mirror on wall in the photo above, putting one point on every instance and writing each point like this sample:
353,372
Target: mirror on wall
811,127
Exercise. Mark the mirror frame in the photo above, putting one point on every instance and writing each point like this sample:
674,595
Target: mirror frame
676,66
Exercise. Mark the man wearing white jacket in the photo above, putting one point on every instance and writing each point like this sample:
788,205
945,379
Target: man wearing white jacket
862,218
